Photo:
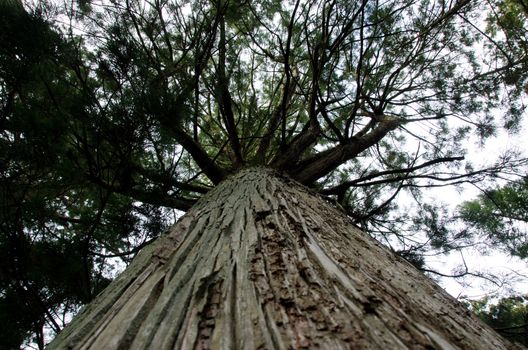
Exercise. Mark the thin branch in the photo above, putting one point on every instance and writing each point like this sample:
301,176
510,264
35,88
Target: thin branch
128,252
345,185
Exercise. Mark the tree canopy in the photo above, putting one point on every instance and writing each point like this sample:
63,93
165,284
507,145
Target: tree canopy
117,114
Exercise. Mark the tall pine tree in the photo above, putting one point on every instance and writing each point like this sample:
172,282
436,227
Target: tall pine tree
115,114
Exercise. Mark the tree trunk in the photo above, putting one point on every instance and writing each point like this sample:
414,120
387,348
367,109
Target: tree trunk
263,263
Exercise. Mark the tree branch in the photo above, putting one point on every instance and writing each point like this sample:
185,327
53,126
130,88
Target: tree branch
208,166
298,146
324,162
345,185
128,252
166,179
226,104
151,197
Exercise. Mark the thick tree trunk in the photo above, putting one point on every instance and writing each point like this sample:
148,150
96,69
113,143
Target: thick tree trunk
262,263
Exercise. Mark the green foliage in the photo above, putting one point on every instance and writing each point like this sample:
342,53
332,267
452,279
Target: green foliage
501,215
56,224
509,316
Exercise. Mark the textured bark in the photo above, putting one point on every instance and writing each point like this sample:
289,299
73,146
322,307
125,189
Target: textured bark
262,263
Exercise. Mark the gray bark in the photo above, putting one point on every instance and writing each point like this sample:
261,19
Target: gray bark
263,263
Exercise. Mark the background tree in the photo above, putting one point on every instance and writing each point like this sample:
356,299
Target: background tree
115,114
509,316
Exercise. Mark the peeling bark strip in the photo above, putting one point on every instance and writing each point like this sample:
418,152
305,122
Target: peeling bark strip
262,263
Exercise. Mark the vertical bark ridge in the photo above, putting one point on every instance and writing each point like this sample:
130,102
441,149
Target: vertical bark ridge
134,324
264,263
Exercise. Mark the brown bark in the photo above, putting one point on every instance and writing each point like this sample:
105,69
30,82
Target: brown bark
262,263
